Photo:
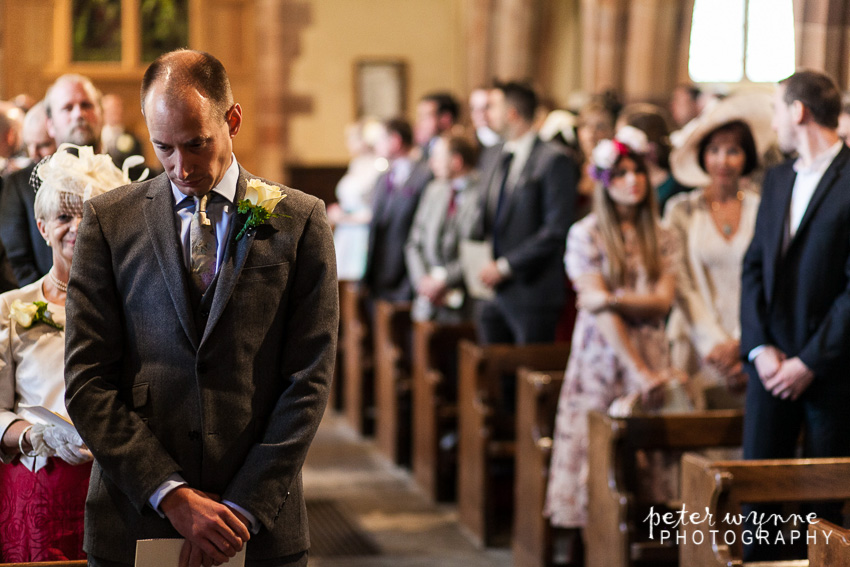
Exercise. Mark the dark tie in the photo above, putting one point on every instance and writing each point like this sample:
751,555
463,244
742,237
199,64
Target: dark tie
504,170
202,246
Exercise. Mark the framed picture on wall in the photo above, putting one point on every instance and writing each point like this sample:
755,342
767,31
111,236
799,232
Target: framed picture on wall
380,89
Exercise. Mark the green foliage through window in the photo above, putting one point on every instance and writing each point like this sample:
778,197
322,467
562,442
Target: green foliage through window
97,30
165,26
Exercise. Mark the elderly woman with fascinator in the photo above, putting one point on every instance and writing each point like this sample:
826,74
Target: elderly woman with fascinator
715,224
45,466
621,263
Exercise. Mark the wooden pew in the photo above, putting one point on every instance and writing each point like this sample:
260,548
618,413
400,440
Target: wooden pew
392,335
829,545
486,433
358,384
721,487
335,393
435,405
616,535
537,404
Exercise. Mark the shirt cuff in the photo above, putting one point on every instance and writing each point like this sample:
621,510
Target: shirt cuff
255,525
504,267
755,352
172,482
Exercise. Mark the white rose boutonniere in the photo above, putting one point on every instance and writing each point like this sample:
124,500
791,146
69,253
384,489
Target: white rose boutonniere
28,314
259,203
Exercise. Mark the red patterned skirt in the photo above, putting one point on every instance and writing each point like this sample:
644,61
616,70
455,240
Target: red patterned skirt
41,514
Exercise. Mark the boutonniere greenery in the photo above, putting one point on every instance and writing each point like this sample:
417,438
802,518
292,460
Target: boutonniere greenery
259,203
28,314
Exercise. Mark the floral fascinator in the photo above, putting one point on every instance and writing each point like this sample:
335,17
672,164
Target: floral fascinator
72,179
607,152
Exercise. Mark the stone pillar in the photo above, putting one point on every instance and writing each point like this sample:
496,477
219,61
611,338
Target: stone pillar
514,45
479,25
604,34
822,33
278,24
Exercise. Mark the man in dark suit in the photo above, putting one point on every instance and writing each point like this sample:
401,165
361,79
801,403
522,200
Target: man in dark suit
795,299
199,356
397,193
528,188
29,255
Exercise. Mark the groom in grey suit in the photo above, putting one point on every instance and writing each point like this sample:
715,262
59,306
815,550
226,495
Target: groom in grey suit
199,392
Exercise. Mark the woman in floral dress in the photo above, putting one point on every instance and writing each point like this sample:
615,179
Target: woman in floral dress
621,263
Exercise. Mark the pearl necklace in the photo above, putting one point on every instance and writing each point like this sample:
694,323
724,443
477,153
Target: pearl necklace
63,286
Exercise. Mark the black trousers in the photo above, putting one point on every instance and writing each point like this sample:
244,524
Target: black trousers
516,326
772,430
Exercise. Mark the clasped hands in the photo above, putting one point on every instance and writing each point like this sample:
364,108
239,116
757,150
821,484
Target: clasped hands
785,378
49,441
214,532
725,358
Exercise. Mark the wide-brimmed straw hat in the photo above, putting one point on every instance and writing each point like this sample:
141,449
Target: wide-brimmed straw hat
754,106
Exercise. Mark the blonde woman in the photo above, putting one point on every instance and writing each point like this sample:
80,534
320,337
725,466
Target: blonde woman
621,263
44,469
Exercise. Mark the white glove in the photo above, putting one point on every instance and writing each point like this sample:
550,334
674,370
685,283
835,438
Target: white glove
68,446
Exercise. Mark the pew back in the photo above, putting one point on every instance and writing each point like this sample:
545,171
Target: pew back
722,486
829,545
435,347
358,385
615,534
392,328
486,432
537,404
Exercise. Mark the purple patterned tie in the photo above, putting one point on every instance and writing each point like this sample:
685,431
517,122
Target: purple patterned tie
202,246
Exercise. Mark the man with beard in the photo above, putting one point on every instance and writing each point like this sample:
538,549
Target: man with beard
74,115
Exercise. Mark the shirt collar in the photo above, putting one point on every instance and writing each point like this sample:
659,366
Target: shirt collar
460,183
821,162
522,144
226,187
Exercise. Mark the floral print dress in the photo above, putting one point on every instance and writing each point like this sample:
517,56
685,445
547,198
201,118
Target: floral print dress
595,376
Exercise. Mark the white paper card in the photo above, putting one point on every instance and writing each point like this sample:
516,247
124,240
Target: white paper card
48,417
166,553
474,255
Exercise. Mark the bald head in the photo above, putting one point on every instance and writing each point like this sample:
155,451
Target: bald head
73,111
178,72
36,137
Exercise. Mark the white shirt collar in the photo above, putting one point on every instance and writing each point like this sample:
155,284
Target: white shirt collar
521,145
226,187
821,162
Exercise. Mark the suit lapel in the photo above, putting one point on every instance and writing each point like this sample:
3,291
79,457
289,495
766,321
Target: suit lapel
522,181
159,215
233,260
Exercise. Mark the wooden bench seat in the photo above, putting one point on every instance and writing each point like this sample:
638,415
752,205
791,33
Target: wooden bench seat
435,406
616,534
721,486
486,441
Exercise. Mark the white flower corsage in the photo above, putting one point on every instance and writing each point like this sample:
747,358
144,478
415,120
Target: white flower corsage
28,314
259,203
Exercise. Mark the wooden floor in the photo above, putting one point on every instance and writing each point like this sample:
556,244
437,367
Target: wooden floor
377,512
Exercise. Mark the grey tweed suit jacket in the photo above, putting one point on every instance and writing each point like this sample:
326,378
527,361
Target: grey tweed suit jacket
229,393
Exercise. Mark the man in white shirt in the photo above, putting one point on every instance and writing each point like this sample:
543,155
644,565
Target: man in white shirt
795,301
